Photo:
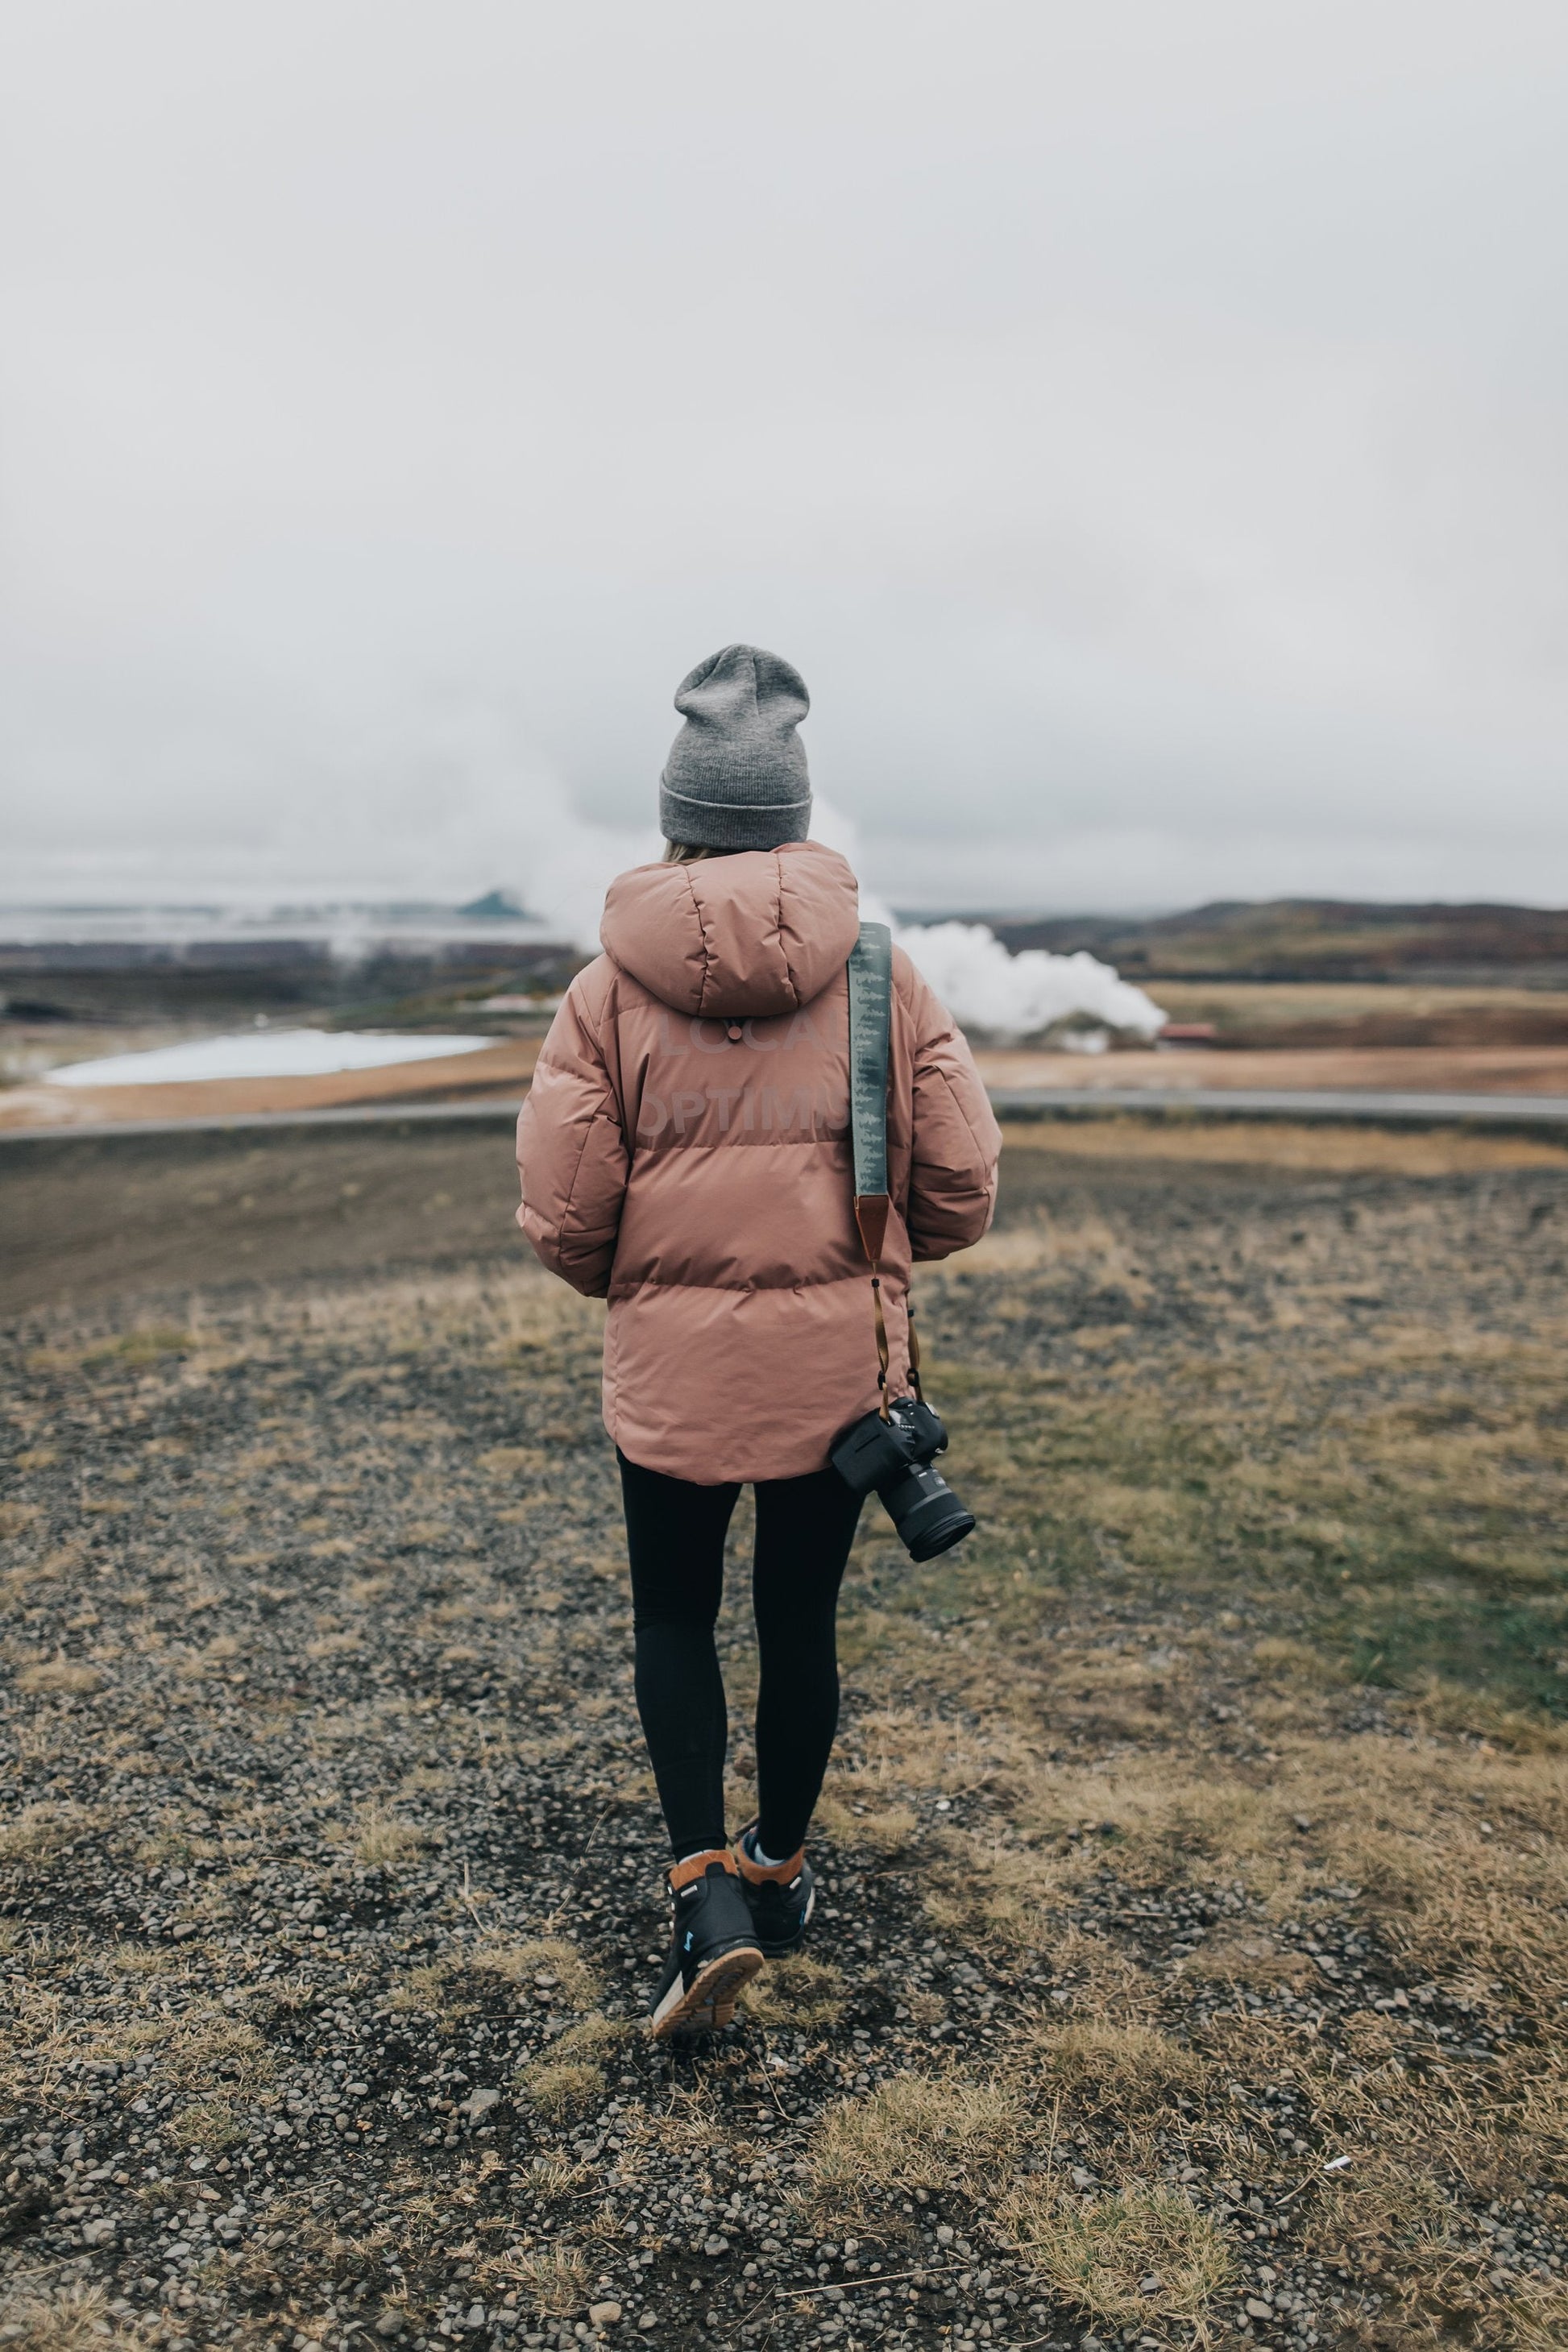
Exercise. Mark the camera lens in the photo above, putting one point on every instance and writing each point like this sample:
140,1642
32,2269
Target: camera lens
926,1513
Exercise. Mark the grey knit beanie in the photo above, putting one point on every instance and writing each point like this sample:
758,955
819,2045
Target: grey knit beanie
736,775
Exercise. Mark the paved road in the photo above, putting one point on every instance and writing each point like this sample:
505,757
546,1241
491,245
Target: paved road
1015,1102
1259,1102
500,1114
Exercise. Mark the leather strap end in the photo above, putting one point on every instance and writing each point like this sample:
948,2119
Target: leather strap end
872,1210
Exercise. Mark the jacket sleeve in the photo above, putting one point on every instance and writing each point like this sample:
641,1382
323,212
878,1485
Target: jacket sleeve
955,1142
571,1152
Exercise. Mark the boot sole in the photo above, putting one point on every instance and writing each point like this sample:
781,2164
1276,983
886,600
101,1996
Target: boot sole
709,2000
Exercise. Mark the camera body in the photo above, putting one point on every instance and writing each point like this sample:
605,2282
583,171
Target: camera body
895,1458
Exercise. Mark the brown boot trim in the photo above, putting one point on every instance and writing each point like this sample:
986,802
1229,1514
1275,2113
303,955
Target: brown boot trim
778,1874
696,1866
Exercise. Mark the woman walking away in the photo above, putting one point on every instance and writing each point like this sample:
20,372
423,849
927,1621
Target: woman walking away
685,1152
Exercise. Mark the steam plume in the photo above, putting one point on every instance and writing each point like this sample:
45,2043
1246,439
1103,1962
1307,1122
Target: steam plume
1016,996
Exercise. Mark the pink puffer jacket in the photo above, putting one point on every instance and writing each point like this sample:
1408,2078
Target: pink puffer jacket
684,1150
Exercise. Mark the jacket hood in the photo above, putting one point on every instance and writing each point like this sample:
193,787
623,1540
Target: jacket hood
759,932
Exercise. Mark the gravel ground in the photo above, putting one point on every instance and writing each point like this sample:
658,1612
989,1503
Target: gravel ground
330,1855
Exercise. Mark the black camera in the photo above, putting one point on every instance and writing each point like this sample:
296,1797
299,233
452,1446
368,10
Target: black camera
894,1456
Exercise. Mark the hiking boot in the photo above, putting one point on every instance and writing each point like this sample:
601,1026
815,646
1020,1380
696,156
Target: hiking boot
781,1896
713,1950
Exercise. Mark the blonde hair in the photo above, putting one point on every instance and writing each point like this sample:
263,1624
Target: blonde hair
690,852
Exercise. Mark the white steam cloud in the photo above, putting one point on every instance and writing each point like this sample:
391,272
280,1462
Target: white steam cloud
1023,995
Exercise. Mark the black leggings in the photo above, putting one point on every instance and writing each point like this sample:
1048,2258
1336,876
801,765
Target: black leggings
674,1532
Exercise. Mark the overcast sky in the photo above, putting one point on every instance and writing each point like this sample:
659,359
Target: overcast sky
1143,425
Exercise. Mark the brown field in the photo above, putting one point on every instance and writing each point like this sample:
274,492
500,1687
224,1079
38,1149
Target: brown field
503,1069
1347,1014
1347,1149
1403,1070
1191,1969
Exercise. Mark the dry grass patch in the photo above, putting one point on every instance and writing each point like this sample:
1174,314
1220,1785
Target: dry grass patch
203,2050
554,2280
1137,2255
1462,1856
1456,1852
364,1592
66,2319
140,1960
381,1842
886,1831
562,2088
335,1645
795,1992
1446,1705
567,2079
171,1842
1156,1821
220,1652
71,1677
544,1964
1102,2069
1389,2214
425,1989
918,2131
984,1889
520,1311
210,2124
39,1830
1540,2321
223,2049
1289,1661
510,1461
555,2177
591,2037
1251,1957
1100,1981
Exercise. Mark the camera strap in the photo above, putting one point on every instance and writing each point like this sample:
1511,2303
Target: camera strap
870,971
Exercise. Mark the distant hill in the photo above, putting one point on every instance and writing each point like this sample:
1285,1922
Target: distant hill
494,907
1317,939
